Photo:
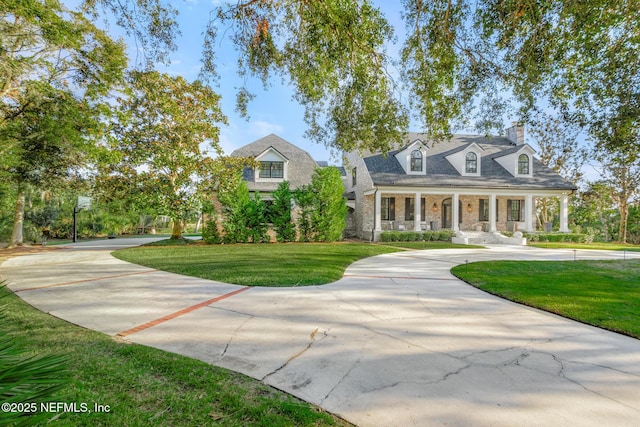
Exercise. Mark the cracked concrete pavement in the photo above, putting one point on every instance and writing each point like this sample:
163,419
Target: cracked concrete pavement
397,341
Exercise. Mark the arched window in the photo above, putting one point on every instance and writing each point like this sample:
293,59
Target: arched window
416,161
471,165
523,164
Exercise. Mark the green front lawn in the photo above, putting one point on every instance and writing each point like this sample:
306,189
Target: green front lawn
601,293
143,386
294,264
595,245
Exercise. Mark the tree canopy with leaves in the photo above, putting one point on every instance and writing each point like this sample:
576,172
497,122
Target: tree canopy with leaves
157,155
54,66
461,60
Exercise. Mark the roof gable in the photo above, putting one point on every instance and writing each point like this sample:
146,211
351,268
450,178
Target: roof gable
271,154
386,170
509,160
458,159
298,164
405,156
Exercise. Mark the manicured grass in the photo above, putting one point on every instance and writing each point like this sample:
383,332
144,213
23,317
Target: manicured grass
143,386
600,246
429,245
601,293
173,242
295,264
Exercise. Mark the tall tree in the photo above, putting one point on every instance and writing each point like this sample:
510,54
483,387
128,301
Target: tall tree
459,57
621,171
43,42
54,66
150,23
333,52
46,145
157,157
560,150
329,213
594,211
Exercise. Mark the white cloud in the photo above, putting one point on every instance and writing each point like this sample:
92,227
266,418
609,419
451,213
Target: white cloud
261,128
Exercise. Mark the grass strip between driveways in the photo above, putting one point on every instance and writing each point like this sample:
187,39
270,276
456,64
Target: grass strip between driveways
592,246
295,264
142,386
601,293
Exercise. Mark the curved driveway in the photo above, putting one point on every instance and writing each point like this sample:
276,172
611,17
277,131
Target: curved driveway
397,341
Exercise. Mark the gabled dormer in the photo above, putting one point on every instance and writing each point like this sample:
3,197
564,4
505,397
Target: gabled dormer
413,158
273,166
518,163
468,160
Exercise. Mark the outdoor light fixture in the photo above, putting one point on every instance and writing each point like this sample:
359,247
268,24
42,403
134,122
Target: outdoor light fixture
435,207
469,209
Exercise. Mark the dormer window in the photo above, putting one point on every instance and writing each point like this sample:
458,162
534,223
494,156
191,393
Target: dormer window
518,163
471,164
416,161
467,160
413,158
523,164
271,169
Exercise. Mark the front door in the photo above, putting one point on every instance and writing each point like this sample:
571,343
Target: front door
447,215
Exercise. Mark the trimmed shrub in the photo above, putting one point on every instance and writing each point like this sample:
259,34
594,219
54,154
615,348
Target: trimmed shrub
416,236
559,237
279,213
210,232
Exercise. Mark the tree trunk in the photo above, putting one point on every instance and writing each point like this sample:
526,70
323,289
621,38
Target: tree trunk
17,238
198,223
177,229
624,214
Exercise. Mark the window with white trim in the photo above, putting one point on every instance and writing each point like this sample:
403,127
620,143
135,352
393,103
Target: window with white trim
416,161
471,163
523,164
271,169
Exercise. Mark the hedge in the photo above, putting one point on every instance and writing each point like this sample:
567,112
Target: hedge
416,236
559,237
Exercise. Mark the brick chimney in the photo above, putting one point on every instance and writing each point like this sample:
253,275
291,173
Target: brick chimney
516,133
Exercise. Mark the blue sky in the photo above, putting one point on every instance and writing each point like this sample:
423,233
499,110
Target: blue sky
272,111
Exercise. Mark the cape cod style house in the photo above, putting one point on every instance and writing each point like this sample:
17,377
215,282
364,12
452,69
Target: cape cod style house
279,161
468,184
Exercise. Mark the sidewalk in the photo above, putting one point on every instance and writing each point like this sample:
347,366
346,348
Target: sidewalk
397,341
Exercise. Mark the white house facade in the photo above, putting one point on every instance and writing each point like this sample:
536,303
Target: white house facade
469,183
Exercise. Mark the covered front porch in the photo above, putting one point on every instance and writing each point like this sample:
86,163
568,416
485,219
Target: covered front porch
462,209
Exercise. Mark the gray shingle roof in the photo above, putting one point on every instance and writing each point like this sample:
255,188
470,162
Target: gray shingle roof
385,170
300,166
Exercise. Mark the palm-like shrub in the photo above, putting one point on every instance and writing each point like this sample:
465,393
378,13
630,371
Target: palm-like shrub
26,379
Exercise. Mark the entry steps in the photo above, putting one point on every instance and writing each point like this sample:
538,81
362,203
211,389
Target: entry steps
486,238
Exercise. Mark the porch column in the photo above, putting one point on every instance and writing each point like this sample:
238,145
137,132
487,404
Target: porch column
377,214
492,213
455,210
528,213
564,213
417,203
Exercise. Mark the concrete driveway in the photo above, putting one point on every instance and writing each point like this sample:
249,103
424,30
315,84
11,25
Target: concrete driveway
397,341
